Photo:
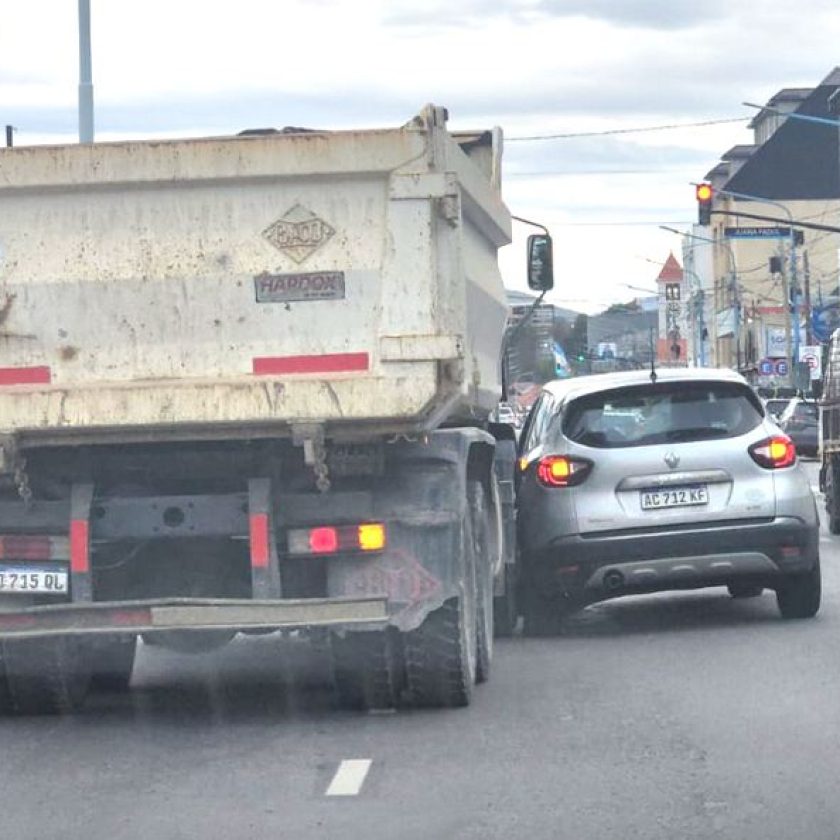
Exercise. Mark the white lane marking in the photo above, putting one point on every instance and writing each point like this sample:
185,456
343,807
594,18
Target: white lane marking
349,777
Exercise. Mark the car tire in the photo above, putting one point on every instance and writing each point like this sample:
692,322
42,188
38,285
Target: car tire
745,590
799,596
542,616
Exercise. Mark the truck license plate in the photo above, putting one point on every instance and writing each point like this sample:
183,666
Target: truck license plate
29,580
696,494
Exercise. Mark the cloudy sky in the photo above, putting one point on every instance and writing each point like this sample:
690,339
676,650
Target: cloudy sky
535,67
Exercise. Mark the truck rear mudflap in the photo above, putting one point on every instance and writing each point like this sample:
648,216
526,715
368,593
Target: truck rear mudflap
192,615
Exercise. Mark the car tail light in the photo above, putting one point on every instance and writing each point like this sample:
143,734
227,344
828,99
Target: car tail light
774,453
562,471
335,539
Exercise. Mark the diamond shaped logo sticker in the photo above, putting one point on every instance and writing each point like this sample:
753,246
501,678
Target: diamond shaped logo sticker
299,233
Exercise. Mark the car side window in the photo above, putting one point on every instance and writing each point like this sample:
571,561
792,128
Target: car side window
540,416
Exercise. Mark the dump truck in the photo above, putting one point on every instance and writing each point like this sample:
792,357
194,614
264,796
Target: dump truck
244,388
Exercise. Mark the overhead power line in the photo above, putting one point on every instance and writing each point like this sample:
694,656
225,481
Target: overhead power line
639,130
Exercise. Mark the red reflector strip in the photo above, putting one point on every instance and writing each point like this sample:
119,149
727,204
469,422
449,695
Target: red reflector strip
79,546
131,618
25,376
258,524
329,363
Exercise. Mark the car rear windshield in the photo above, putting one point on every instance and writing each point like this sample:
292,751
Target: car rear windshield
664,412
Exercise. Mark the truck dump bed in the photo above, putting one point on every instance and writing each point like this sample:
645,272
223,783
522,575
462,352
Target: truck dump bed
245,285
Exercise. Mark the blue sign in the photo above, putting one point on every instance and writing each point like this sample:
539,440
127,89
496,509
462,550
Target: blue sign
766,367
824,320
782,367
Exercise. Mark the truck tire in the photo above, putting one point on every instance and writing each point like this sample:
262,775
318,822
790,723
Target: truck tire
799,596
366,669
505,607
832,495
46,676
479,532
440,656
112,662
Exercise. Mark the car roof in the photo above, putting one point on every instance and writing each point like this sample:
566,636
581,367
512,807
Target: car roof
578,386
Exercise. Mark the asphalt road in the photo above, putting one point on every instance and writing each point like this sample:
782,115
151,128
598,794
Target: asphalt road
673,716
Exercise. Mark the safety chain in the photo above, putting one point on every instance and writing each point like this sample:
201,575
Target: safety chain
319,466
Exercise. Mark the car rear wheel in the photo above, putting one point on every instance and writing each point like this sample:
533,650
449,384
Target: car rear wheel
542,614
799,596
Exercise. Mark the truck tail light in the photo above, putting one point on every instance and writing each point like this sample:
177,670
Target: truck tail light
19,547
336,539
562,471
774,453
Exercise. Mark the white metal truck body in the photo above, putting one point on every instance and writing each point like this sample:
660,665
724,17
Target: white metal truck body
153,289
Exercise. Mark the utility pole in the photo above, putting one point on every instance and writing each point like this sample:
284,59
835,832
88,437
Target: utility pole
85,75
794,298
806,273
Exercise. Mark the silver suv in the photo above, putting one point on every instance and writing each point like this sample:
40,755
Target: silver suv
635,483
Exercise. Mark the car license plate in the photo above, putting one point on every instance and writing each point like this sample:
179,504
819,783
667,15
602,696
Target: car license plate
29,580
696,494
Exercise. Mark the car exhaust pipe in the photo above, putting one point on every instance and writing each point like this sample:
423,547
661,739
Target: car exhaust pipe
613,580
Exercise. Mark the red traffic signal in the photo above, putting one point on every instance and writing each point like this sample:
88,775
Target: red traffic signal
704,204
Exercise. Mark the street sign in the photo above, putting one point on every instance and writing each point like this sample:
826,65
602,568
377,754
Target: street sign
757,232
782,367
765,367
810,355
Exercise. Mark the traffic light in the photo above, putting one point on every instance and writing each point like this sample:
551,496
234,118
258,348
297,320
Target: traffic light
704,204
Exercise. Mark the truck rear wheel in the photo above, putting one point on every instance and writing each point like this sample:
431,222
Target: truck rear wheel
366,669
440,655
505,607
479,532
46,676
112,662
832,491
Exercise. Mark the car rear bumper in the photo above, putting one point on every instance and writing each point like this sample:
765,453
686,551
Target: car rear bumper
685,558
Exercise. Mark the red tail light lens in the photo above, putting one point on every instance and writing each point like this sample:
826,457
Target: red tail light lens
562,471
323,540
774,453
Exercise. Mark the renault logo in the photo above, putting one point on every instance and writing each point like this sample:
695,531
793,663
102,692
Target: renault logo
672,460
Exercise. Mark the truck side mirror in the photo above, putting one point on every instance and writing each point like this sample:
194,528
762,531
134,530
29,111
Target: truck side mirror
540,263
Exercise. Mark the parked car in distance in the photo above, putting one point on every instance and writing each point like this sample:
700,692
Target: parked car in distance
700,489
800,421
504,413
775,406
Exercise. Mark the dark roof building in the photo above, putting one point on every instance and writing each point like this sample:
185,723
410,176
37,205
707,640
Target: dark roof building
799,161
